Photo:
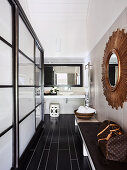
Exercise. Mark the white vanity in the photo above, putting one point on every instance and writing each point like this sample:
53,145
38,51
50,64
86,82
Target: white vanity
68,102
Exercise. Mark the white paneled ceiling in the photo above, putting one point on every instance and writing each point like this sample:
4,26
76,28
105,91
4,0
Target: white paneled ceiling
60,26
58,6
70,29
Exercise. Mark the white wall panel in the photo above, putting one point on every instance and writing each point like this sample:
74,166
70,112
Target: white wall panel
37,56
6,151
26,41
26,101
26,71
5,64
6,20
38,115
38,95
26,131
6,108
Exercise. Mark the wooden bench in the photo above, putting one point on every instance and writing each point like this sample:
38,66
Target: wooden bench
88,132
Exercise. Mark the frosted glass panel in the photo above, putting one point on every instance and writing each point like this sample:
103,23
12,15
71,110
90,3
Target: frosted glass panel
26,71
38,95
38,115
38,57
6,108
26,41
6,151
38,77
26,101
5,64
26,131
6,21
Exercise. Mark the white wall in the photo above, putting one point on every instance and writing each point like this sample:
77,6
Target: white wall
104,111
101,15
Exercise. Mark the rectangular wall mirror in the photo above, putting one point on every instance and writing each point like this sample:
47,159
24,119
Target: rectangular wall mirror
63,75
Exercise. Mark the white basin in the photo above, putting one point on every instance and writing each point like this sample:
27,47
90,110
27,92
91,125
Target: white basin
66,92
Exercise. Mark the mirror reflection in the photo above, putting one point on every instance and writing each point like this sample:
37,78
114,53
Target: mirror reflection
113,69
62,75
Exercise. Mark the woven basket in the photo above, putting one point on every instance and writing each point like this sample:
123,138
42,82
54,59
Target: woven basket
83,115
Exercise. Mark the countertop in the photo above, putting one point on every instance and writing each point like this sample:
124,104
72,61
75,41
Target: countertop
81,96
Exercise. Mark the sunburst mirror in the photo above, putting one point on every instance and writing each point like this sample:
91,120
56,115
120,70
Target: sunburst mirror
114,69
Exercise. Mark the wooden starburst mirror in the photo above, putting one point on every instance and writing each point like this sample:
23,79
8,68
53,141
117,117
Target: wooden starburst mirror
114,69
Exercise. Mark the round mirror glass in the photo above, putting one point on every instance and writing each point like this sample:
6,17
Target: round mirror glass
113,69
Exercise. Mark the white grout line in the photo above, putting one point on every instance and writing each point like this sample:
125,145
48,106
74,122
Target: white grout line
74,147
58,147
69,147
35,148
43,150
49,150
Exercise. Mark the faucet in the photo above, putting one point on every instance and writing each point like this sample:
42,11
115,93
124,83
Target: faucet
69,88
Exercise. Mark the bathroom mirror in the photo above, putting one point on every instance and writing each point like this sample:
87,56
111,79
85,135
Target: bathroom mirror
114,69
63,75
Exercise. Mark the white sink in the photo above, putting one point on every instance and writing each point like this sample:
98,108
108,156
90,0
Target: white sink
66,92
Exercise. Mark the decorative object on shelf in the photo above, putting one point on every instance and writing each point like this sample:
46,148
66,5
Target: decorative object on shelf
85,112
114,69
54,90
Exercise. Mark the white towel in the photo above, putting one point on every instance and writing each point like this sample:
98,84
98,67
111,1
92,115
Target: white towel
86,109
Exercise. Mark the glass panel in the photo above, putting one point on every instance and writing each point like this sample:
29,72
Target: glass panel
26,41
26,101
38,57
6,151
38,77
26,71
5,64
6,108
38,95
26,131
38,115
6,21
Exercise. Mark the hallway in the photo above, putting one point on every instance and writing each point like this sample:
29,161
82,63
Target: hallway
58,148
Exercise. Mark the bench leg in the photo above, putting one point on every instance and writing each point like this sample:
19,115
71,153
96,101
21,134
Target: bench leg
75,123
84,150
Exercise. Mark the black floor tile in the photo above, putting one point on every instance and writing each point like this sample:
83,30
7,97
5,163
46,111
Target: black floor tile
72,149
38,152
52,159
75,165
55,136
49,139
63,143
64,160
43,160
59,147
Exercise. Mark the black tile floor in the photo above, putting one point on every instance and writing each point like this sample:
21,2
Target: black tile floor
59,147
